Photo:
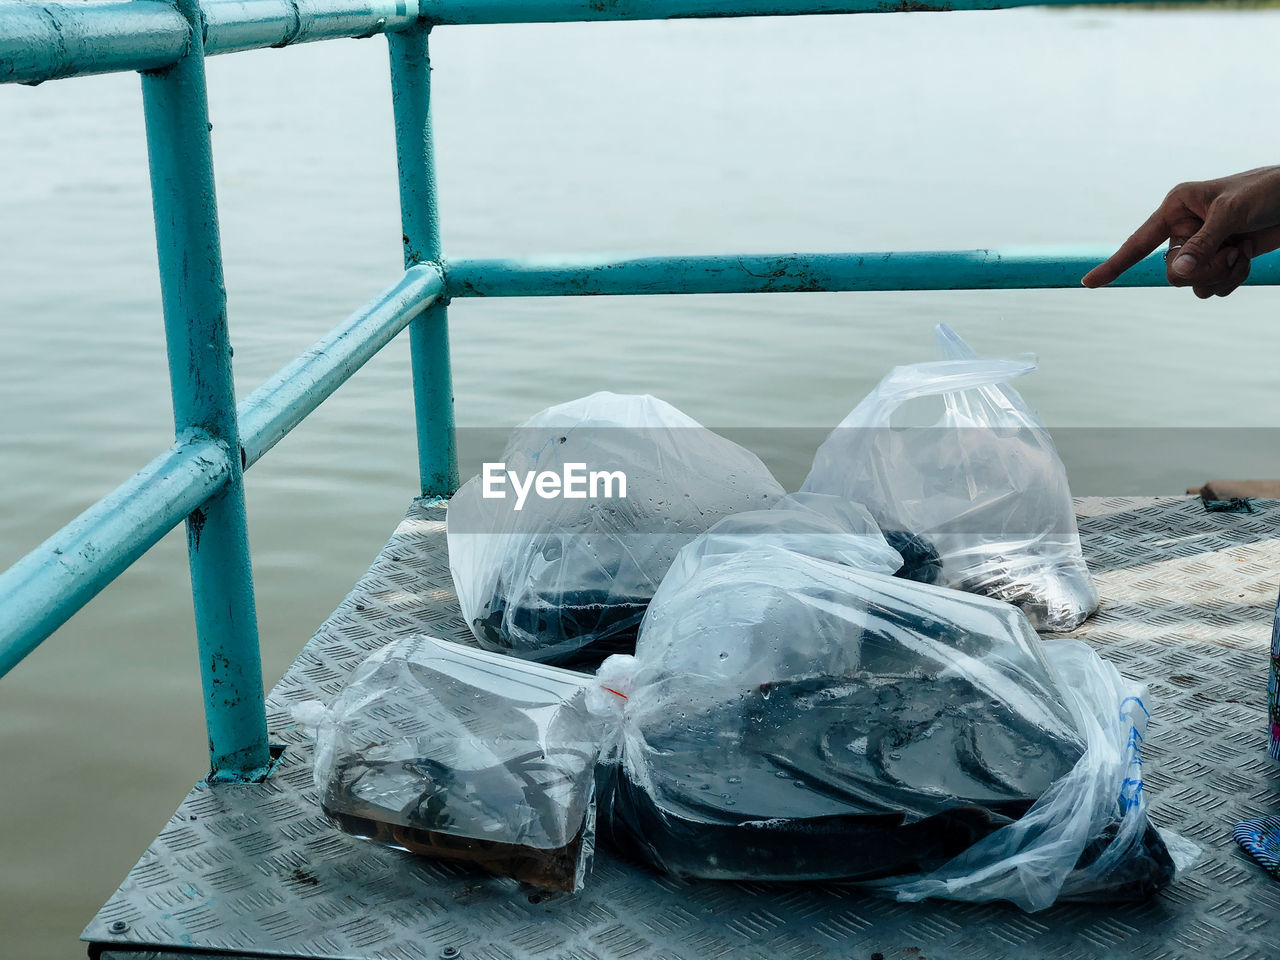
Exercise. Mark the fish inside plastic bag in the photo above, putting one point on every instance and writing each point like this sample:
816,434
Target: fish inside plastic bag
787,718
983,484
568,577
461,754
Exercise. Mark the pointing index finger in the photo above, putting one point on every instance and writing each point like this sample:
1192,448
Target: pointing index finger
1145,239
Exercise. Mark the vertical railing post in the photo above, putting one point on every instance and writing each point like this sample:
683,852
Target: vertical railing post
195,320
420,223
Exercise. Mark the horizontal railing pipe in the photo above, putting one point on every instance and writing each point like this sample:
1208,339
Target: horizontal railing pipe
45,41
283,401
42,590
562,11
232,25
800,272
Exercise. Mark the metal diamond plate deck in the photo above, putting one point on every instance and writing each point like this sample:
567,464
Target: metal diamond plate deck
1187,598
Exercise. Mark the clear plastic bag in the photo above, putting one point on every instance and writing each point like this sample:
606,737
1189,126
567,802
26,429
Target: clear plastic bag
813,524
567,579
461,754
1077,842
984,484
788,718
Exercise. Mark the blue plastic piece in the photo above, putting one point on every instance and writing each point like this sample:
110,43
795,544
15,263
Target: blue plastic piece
1230,505
1260,838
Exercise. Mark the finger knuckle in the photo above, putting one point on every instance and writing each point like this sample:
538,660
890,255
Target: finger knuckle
1225,205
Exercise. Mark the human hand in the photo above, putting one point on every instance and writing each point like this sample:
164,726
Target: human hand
1214,228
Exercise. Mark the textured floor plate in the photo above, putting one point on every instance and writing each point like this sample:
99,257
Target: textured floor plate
1187,601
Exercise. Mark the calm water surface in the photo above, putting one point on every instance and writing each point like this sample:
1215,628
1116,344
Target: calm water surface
865,133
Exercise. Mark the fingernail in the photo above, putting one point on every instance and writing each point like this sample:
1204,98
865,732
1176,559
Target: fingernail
1184,265
1232,256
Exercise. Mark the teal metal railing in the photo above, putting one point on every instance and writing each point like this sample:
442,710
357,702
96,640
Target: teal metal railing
200,478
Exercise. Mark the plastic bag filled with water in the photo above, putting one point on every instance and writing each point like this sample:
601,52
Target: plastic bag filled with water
982,483
789,718
461,754
567,577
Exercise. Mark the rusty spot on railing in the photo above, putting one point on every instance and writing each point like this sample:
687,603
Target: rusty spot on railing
915,6
195,526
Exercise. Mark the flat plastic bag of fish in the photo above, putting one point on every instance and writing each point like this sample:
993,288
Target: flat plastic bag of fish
619,484
460,754
983,484
786,718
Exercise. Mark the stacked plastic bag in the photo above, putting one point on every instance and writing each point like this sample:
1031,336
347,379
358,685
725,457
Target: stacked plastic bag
784,718
805,701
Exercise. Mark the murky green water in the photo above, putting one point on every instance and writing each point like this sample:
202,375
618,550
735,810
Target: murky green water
907,132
